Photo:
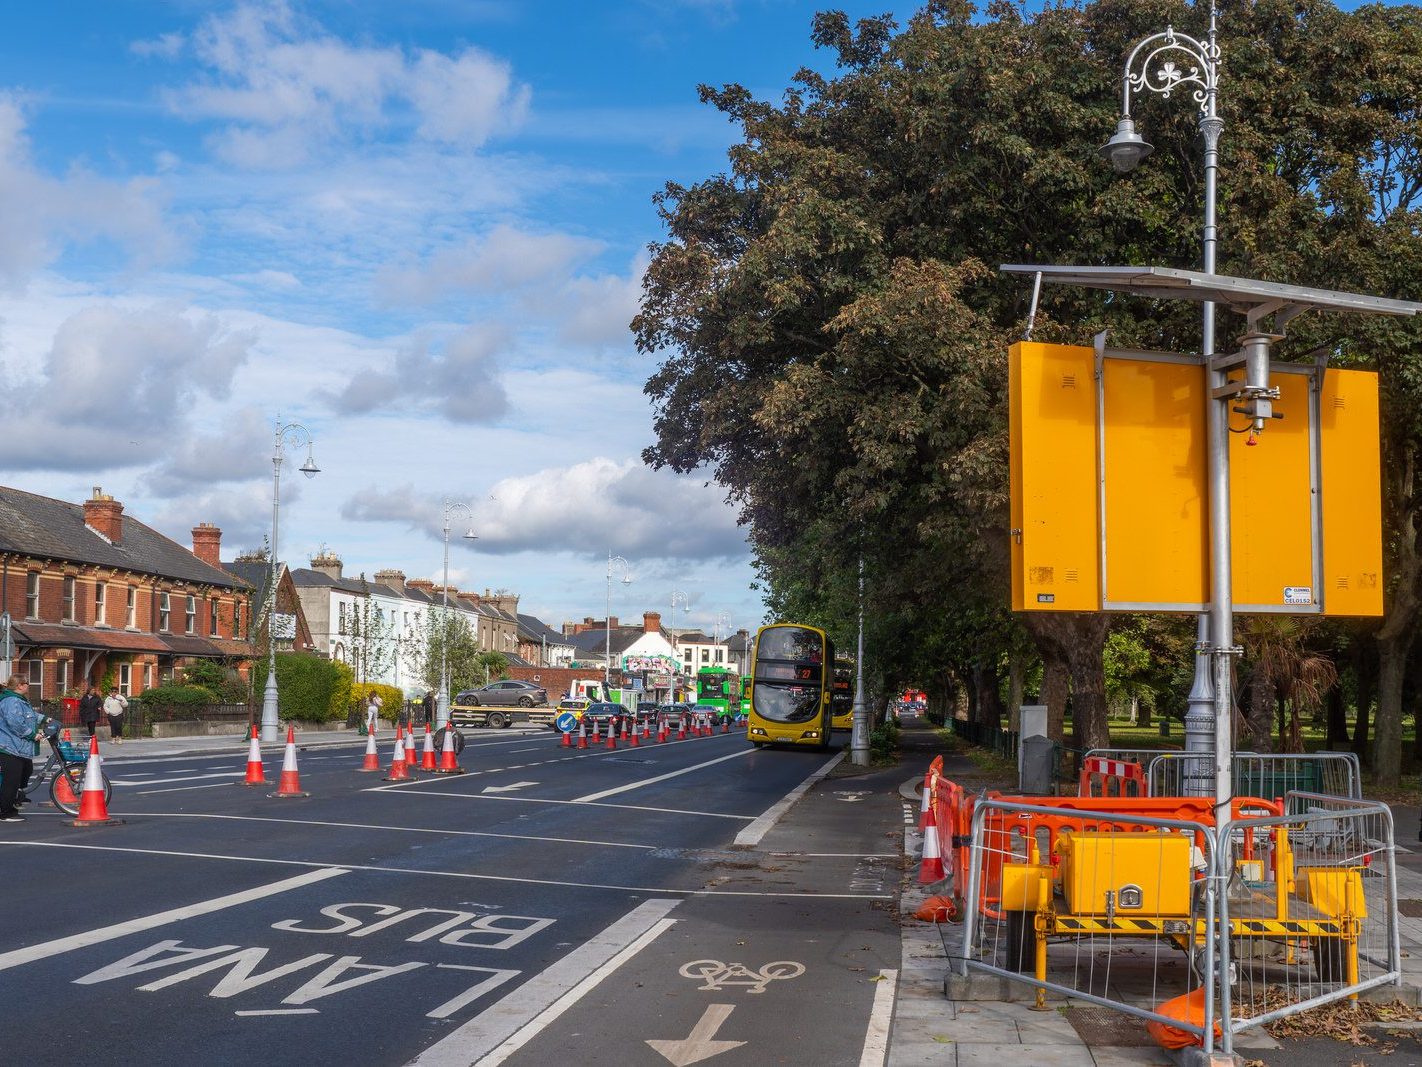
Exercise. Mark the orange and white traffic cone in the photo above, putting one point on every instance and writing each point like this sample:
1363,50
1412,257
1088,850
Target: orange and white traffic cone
567,741
582,733
624,728
289,785
646,730
930,867
372,758
412,758
63,791
681,728
399,769
924,804
427,757
255,774
597,732
93,805
448,763
611,736
633,741
725,724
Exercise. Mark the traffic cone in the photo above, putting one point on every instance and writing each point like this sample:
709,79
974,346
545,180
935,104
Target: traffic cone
289,785
597,732
399,769
624,728
611,736
93,807
924,804
725,725
633,741
255,774
372,758
412,759
646,731
582,733
930,867
63,791
427,757
448,764
681,728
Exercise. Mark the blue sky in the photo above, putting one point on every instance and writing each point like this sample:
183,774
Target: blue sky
418,228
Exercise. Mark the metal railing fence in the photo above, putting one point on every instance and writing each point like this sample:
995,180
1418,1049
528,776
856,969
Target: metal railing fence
1258,774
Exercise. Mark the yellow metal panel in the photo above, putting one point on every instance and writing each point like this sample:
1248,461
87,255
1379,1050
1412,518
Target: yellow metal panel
1352,494
1025,887
1053,432
1270,501
1335,890
1156,548
1015,461
1152,867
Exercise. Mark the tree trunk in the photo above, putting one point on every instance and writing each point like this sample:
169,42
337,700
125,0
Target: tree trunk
1337,729
1394,637
1074,641
1282,716
1143,713
987,683
1055,683
1363,676
1016,687
1261,706
1387,742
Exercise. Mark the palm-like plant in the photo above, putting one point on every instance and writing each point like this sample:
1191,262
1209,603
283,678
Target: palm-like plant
1283,667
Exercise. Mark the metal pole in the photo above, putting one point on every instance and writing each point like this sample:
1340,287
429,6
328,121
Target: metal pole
442,700
859,735
270,723
607,625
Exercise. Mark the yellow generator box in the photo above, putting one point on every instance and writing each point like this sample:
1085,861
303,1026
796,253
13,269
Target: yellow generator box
1334,890
1126,873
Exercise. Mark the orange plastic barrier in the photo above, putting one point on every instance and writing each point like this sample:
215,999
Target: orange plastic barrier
1127,777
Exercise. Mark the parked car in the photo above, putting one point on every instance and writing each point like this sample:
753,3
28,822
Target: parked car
604,714
648,711
673,712
509,691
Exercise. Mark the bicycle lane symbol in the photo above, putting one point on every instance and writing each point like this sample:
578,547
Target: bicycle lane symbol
716,975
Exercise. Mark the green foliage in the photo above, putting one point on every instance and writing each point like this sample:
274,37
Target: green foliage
884,740
224,683
466,665
341,685
177,694
392,699
306,685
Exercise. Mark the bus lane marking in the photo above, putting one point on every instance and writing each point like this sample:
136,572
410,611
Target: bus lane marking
876,1040
591,797
758,828
46,949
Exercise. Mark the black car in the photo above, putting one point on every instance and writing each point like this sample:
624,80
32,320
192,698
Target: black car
648,711
509,692
606,714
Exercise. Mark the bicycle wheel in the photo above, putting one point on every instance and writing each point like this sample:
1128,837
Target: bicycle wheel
73,775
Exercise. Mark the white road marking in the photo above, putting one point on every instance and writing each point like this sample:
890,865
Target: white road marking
507,788
401,829
752,834
181,788
280,1011
46,949
170,781
499,1031
876,1040
591,797
576,803
345,868
702,1043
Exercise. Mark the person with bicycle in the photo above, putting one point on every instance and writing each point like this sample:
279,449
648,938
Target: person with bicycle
20,727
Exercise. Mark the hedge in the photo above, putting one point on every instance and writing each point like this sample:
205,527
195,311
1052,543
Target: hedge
172,695
392,699
307,686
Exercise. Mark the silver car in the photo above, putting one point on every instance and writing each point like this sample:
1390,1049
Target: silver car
509,691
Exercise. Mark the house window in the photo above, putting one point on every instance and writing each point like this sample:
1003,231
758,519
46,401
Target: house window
164,611
720,655
61,677
148,676
131,608
126,677
212,617
68,598
36,674
32,581
341,608
192,615
101,604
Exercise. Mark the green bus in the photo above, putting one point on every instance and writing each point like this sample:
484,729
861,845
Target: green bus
719,688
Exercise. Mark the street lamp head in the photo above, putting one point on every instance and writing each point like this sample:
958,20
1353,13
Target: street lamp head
470,535
309,468
1126,148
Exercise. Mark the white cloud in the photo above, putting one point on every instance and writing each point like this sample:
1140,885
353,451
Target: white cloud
581,509
286,88
233,447
269,279
40,215
455,377
118,384
166,46
598,310
503,259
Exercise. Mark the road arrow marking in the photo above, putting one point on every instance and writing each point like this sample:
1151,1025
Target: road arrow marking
701,1044
507,788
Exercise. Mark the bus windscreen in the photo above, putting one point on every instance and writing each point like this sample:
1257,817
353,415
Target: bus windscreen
785,703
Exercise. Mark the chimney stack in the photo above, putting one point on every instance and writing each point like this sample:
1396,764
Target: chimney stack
651,622
328,563
207,544
104,515
395,579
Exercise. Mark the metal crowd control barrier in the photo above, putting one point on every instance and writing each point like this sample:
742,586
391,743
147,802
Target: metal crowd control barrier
1318,897
1117,875
1260,774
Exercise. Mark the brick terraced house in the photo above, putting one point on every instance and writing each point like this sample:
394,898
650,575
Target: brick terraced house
94,593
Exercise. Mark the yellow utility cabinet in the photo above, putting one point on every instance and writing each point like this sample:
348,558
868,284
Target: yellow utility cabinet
1126,873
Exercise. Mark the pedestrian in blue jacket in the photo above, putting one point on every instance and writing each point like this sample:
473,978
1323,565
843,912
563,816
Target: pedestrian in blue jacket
20,727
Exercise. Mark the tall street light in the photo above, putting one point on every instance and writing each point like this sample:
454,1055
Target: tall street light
859,722
677,597
451,508
626,579
1164,63
295,435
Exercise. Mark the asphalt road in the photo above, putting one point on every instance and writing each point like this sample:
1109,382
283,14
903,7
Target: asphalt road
549,904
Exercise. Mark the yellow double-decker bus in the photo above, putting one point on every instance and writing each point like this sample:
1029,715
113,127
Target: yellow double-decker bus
789,687
842,694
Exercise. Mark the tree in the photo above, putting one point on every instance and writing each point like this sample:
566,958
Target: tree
372,641
451,631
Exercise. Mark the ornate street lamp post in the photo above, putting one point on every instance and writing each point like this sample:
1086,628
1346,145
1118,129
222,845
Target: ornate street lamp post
451,508
295,435
1165,63
626,579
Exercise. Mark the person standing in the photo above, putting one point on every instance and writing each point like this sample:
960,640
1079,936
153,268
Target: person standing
372,713
115,704
428,703
20,725
90,704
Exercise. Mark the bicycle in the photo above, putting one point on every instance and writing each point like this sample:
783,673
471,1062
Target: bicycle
65,763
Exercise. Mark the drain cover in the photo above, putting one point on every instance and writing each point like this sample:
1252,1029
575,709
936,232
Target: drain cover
1411,907
1100,1027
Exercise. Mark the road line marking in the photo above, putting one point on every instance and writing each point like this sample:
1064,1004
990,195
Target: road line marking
576,803
402,829
280,1011
837,855
660,778
502,1029
876,1040
181,788
346,868
170,781
46,949
752,834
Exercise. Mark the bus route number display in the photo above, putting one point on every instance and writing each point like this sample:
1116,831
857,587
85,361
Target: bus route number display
786,672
